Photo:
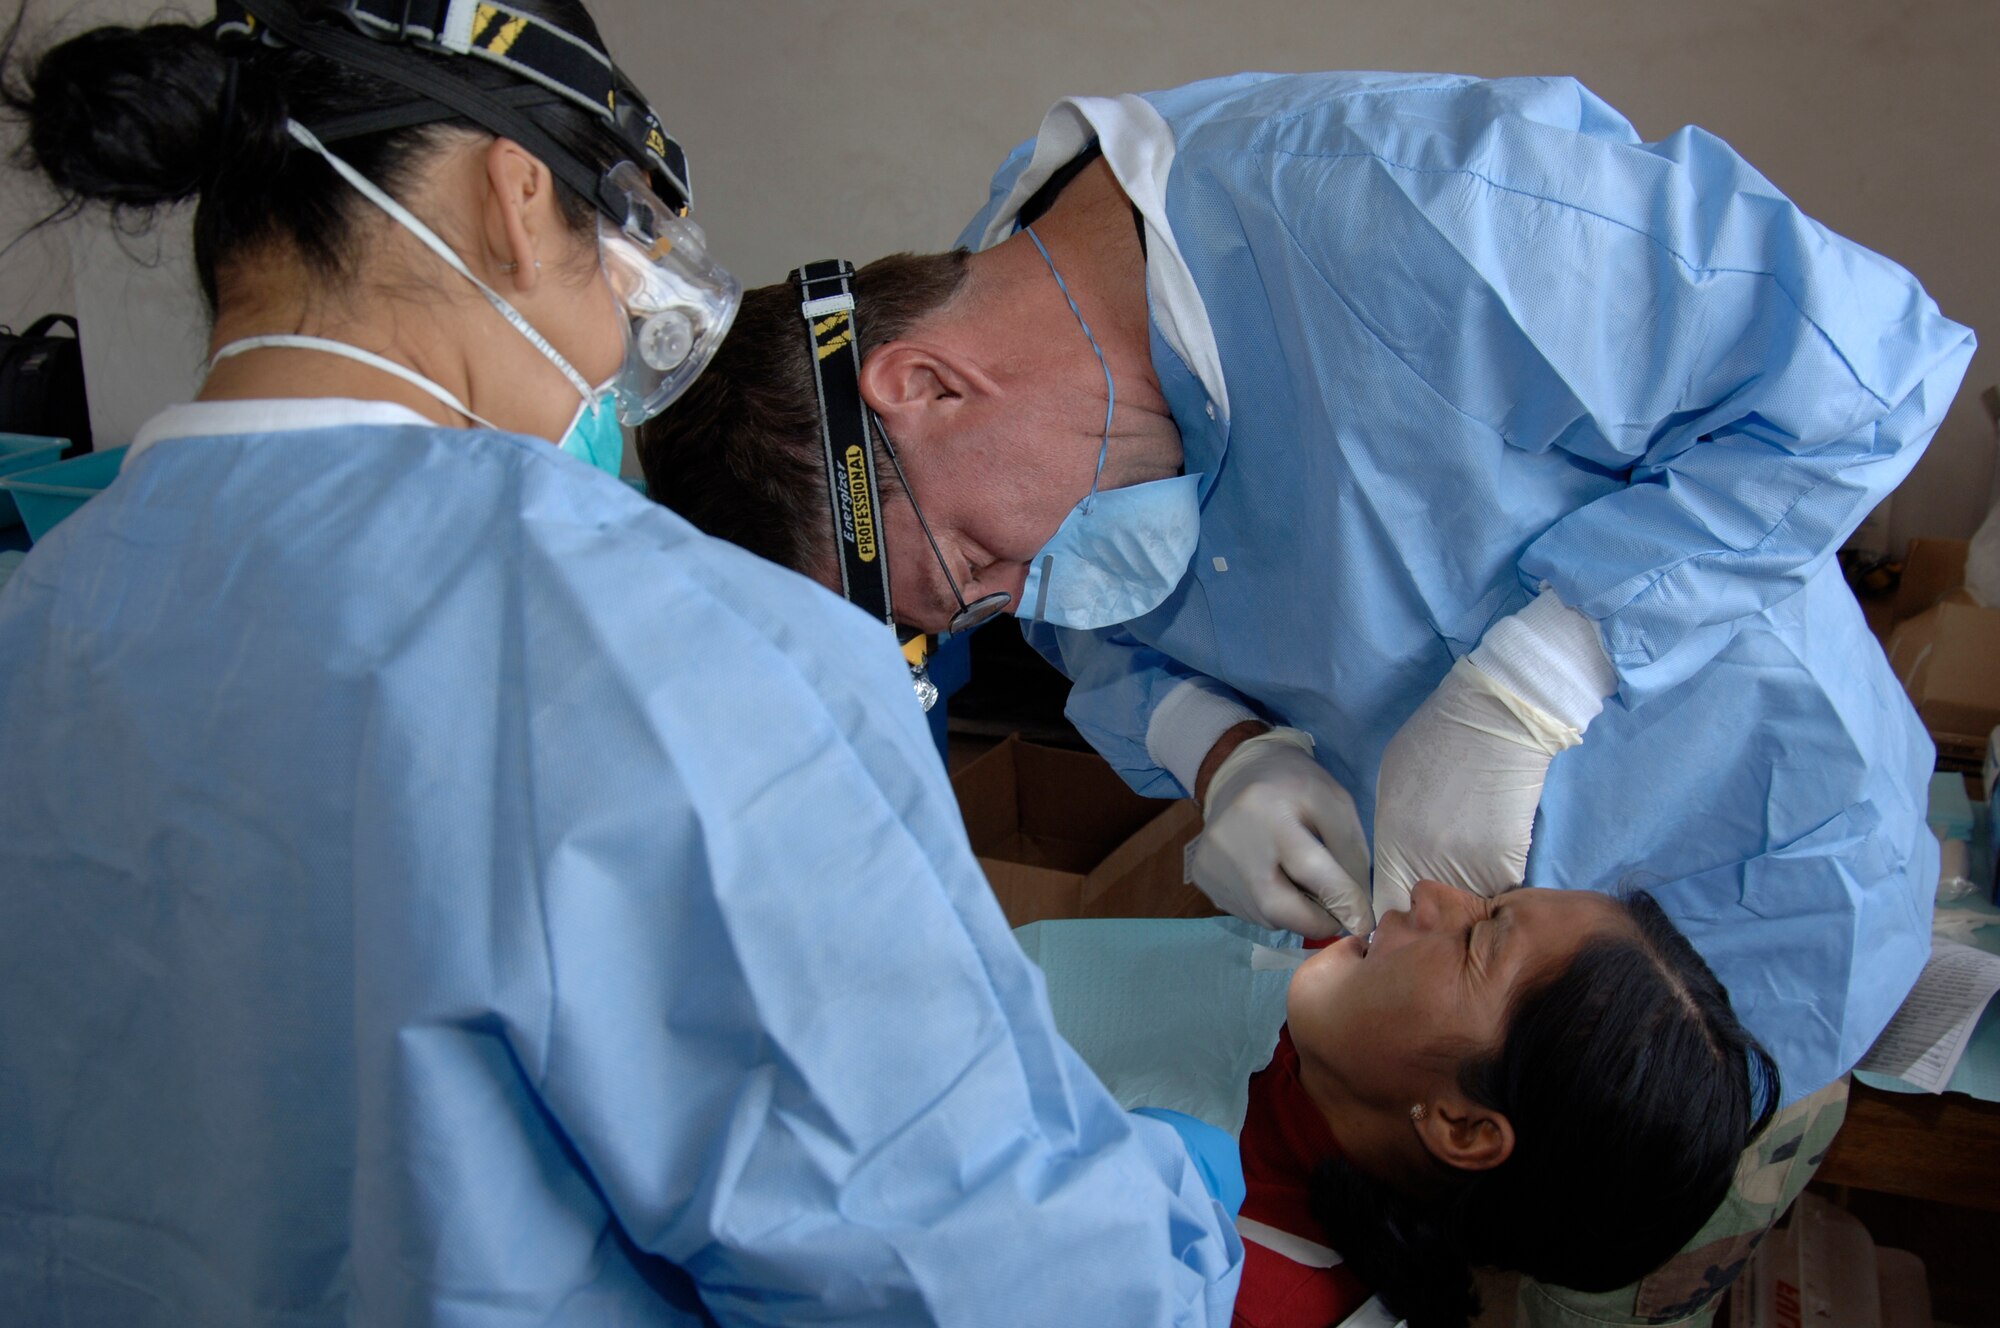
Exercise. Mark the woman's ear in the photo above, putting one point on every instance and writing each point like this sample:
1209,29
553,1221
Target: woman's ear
519,194
1463,1134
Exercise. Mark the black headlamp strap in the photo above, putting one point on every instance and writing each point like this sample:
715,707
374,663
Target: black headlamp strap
528,47
403,67
826,303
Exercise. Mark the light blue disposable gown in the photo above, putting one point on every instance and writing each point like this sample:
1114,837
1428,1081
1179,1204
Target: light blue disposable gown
438,886
1478,337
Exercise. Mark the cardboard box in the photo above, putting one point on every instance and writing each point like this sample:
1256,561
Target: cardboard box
1932,569
1061,836
1948,659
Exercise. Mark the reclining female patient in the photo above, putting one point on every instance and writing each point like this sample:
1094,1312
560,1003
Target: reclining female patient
1550,1081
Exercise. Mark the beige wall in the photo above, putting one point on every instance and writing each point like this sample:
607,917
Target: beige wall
35,268
820,130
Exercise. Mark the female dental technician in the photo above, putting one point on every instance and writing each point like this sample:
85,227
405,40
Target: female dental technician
1423,452
436,884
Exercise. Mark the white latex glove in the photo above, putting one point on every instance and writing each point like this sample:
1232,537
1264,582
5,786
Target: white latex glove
1283,846
1455,801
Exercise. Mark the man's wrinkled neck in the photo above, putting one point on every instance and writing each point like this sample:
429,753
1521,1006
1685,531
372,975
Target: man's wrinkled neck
1030,335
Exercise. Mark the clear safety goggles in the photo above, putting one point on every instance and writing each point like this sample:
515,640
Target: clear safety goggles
678,301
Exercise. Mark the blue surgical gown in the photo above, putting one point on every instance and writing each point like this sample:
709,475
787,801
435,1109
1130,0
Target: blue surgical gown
439,886
1478,338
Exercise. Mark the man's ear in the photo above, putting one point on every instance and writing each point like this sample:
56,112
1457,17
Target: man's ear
1463,1134
917,389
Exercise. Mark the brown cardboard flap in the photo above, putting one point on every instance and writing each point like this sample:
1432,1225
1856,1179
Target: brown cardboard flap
1142,873
1030,894
1948,659
1077,796
1075,856
985,789
1931,570
1061,836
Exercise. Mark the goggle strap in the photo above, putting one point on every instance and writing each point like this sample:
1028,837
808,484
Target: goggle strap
826,307
422,78
529,47
410,114
539,51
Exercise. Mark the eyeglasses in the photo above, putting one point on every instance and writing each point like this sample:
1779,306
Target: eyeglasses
986,607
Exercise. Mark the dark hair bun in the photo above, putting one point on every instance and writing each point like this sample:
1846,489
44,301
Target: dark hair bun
142,117
134,116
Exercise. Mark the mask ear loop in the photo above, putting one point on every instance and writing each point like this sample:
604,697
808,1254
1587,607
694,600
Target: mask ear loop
408,220
1110,392
326,346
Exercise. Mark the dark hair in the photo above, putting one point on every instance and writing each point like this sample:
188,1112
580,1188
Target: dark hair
739,453
1633,1090
144,117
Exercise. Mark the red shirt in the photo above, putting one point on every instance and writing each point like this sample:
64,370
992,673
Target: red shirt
1284,1140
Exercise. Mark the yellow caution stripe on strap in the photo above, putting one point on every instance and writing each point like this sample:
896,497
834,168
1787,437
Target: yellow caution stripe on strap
832,333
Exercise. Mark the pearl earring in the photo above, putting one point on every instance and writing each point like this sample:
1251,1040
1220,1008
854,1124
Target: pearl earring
1419,1111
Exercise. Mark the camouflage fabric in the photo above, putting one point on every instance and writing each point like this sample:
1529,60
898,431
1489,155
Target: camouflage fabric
1684,1291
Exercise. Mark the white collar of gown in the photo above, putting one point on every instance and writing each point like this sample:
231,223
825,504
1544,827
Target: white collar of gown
1139,147
222,419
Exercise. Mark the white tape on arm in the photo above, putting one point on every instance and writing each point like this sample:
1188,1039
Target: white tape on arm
1552,657
1185,726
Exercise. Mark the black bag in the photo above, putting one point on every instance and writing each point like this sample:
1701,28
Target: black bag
41,384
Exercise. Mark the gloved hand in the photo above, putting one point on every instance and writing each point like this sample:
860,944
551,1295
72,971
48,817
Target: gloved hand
1455,801
1283,846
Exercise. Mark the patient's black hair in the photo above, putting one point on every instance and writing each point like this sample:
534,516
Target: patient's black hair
1633,1090
140,118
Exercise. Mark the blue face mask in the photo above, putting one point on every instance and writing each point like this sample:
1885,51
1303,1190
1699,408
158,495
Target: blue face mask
596,436
1116,556
1119,553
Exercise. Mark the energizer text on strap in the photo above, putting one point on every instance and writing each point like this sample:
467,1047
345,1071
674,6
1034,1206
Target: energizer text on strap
826,307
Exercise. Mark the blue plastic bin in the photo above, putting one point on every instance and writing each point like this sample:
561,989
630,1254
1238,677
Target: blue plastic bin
19,452
47,495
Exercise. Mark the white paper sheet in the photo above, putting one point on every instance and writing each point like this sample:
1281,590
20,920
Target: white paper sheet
1923,1043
